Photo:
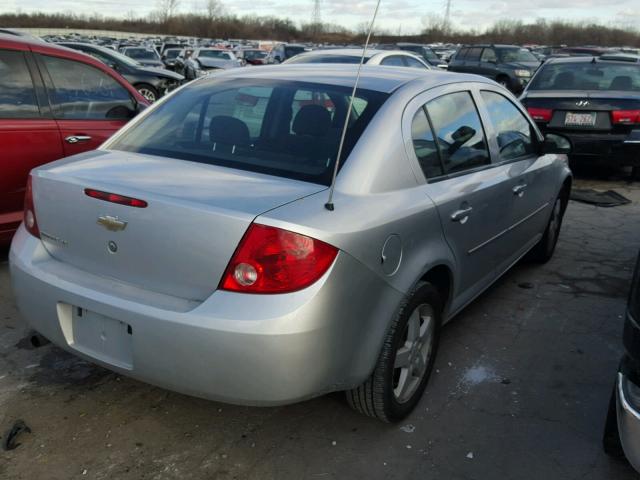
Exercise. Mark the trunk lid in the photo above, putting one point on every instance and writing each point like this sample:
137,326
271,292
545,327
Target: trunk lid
577,101
180,243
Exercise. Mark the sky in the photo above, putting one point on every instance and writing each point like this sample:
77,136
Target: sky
397,16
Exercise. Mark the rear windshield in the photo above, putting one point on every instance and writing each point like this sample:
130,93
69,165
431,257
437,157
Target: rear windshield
214,54
588,76
141,54
319,58
284,128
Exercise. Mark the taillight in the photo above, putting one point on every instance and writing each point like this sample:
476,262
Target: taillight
115,198
540,114
272,260
625,117
30,221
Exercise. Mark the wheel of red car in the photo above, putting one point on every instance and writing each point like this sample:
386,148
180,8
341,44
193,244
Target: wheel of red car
147,91
406,360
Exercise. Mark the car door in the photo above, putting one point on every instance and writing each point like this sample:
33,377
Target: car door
528,176
452,150
488,63
456,64
28,134
88,104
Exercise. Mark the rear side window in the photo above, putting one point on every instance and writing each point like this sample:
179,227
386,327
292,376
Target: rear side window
413,63
277,127
17,94
393,61
82,92
459,133
474,54
461,55
512,128
425,146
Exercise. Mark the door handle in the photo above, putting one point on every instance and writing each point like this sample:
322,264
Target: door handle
77,139
462,215
520,189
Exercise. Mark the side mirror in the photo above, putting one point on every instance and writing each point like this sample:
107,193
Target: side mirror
556,144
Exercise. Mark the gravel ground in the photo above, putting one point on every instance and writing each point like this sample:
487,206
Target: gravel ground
520,392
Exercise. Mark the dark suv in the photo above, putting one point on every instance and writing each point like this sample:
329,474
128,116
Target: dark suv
509,65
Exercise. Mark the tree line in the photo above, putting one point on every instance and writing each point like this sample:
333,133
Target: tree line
213,22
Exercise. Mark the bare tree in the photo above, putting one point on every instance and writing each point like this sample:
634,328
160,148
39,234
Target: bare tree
167,9
214,9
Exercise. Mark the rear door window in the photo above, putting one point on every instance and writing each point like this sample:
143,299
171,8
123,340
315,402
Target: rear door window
83,92
489,56
513,130
17,93
459,132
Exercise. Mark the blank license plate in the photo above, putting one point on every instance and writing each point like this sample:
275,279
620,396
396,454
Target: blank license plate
102,338
580,119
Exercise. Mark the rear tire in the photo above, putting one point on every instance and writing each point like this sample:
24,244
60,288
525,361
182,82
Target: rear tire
406,360
545,248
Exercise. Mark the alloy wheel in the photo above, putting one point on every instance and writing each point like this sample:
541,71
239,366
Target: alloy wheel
414,353
148,94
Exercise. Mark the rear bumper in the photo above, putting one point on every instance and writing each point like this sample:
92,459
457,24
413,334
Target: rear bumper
603,148
244,349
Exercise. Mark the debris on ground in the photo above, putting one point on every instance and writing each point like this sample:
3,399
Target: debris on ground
470,455
408,428
10,438
609,198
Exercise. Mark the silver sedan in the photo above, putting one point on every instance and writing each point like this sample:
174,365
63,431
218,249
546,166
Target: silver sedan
195,250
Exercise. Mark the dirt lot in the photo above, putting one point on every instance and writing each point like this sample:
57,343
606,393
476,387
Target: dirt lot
521,389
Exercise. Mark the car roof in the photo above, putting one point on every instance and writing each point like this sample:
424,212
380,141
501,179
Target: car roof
377,78
354,52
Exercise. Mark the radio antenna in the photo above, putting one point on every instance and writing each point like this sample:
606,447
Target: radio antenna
329,205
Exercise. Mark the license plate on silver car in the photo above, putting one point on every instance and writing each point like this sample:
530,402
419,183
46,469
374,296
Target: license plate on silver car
580,119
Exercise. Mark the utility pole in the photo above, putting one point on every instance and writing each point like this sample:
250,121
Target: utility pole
447,17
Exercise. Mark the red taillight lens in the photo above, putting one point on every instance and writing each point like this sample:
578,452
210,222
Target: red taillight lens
625,117
115,198
30,220
272,260
541,114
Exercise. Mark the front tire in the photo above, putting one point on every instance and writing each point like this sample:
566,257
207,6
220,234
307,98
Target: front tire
406,359
544,250
147,91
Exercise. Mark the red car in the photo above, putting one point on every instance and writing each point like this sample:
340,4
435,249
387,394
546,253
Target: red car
54,102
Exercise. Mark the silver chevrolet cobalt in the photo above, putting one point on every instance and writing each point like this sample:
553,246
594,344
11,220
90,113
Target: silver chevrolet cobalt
196,249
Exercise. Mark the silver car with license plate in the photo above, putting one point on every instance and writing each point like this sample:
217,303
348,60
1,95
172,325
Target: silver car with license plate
194,249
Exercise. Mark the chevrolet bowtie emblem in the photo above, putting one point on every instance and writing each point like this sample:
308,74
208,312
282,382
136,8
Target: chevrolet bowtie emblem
113,224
